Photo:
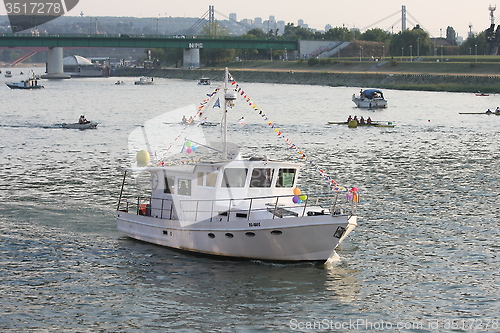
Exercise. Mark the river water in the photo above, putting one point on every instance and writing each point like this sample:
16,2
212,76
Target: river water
424,257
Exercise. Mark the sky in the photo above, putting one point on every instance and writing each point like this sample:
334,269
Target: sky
433,16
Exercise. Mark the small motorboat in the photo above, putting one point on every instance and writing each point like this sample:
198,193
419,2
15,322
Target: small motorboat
144,81
8,74
88,125
119,82
29,83
204,81
370,98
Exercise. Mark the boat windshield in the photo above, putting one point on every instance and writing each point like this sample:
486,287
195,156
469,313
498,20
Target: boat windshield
286,178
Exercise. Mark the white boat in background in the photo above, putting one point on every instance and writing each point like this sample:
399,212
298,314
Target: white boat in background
145,81
8,74
370,98
234,207
204,81
29,83
88,125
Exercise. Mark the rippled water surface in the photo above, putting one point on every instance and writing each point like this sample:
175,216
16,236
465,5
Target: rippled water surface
424,257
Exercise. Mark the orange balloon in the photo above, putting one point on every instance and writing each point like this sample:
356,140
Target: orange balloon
297,191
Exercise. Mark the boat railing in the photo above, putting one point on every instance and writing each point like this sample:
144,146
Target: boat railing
228,209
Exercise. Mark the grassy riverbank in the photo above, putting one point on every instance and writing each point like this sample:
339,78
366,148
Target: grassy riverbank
457,74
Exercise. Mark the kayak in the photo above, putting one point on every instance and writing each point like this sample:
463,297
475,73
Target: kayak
373,124
90,124
495,113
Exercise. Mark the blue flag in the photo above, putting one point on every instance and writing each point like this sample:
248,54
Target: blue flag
217,104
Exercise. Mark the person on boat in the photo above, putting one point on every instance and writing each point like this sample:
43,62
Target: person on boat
349,119
356,118
184,120
82,120
488,111
368,120
191,120
241,121
362,120
497,110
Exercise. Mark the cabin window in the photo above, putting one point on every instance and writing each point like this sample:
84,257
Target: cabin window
261,177
169,184
234,177
211,179
200,178
286,178
184,186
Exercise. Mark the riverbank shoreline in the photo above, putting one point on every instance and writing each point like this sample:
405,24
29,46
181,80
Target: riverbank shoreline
402,81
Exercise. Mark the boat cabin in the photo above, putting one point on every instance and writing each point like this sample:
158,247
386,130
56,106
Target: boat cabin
204,81
206,189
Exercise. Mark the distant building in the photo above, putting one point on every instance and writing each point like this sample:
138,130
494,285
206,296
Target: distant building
78,66
232,17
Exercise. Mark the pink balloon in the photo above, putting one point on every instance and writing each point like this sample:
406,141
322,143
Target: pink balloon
189,150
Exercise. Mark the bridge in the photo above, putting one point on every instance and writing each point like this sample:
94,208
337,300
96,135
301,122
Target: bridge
191,45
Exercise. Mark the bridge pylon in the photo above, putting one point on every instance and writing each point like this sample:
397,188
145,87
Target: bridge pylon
55,64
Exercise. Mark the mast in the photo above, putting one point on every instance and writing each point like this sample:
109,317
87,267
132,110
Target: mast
224,118
229,96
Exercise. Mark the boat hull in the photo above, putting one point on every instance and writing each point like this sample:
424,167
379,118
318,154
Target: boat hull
90,125
16,86
369,103
287,239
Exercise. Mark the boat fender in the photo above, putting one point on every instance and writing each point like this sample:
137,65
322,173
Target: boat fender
352,124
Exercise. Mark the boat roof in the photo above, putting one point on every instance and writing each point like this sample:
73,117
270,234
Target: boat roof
370,92
234,163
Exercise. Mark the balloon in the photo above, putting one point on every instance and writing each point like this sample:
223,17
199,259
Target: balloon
303,197
295,199
189,143
194,148
189,150
297,191
142,158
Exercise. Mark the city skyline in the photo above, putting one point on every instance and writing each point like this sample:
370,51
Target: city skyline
434,17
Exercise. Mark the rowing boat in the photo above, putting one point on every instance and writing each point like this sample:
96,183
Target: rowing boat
373,124
495,113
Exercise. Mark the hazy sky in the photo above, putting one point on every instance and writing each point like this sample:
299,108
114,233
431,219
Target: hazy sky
430,14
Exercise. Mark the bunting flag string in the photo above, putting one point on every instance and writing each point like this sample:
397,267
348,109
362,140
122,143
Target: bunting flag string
198,114
331,182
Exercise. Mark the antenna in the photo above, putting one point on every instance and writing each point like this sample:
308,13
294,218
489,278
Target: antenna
492,16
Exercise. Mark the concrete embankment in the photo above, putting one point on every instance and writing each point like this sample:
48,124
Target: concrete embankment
431,82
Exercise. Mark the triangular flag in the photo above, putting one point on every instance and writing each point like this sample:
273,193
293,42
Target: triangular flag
217,104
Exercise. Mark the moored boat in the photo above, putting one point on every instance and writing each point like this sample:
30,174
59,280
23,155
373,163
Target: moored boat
235,207
370,98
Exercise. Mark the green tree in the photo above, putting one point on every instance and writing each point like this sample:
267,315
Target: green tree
416,40
451,36
339,34
375,35
475,42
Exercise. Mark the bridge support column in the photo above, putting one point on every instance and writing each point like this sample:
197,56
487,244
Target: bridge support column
55,64
191,58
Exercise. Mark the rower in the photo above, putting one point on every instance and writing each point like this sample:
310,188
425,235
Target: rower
356,118
362,120
497,109
349,118
368,120
488,111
